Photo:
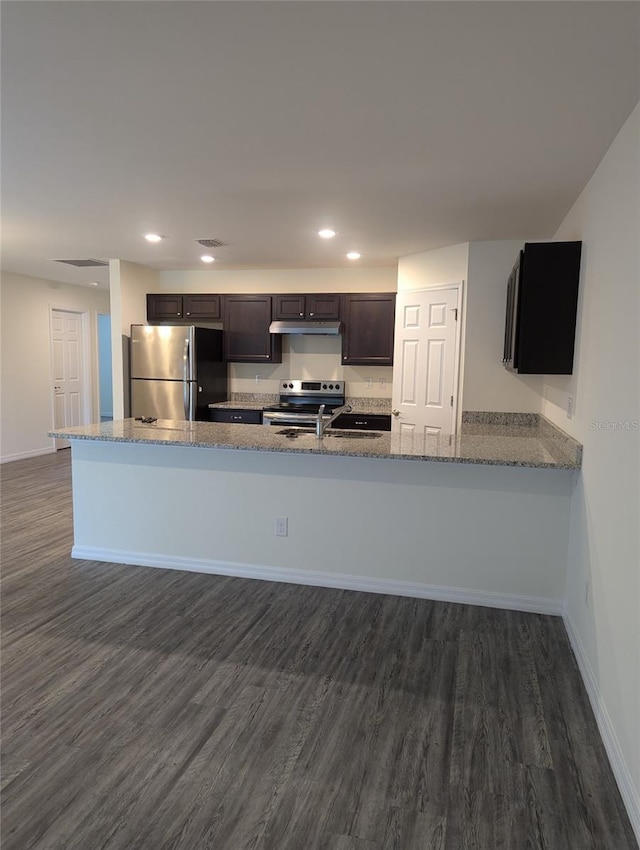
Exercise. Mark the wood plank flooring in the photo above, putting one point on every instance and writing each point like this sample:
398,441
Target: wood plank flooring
155,709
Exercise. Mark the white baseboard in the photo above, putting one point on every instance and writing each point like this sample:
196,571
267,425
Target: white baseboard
629,793
24,455
343,581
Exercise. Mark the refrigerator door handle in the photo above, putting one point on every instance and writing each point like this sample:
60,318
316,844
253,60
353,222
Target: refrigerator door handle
186,386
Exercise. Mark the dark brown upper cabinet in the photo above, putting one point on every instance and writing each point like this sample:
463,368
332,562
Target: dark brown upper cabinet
188,308
246,330
164,308
201,307
314,306
368,326
542,302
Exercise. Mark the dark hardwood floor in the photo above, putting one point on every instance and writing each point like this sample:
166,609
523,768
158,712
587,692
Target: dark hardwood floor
147,708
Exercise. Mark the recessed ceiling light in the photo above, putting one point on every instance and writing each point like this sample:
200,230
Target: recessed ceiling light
153,237
207,258
353,255
327,233
94,283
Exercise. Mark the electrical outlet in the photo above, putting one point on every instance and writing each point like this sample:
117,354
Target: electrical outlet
570,404
368,383
258,379
383,385
282,526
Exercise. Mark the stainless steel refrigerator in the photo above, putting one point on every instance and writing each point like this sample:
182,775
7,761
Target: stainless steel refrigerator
177,371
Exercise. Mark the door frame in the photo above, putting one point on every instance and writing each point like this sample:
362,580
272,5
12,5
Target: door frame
460,288
87,366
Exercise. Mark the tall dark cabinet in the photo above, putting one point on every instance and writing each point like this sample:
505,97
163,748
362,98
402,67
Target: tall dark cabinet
368,319
542,302
246,330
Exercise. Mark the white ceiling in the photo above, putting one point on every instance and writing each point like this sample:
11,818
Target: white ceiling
404,125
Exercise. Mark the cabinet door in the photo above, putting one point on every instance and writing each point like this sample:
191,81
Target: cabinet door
546,305
288,306
202,307
363,421
164,308
368,319
246,330
247,417
323,306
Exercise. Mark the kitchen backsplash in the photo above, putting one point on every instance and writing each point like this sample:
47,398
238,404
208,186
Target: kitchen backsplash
311,357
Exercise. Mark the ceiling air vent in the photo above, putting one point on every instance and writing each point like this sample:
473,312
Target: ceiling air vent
212,243
83,263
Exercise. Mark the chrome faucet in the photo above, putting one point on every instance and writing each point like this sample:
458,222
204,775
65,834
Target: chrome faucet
322,422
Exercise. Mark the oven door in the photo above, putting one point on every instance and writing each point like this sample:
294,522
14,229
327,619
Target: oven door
288,418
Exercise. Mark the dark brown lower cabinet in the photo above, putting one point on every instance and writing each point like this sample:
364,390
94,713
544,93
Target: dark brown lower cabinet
239,416
363,421
368,319
246,330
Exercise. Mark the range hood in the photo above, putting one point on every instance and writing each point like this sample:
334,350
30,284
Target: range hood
303,327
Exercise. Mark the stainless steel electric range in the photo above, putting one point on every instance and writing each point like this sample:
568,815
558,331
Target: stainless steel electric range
303,403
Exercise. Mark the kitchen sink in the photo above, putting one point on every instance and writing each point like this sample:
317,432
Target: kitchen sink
295,432
354,435
292,433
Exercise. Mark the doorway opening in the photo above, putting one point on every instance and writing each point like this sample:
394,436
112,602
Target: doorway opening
105,374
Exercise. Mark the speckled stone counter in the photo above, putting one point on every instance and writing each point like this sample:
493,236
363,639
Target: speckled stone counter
479,443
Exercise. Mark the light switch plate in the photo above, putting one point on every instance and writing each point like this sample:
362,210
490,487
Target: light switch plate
570,405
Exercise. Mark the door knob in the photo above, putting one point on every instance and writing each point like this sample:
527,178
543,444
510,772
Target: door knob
395,413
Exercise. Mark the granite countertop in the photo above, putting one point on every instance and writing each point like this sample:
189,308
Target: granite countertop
537,444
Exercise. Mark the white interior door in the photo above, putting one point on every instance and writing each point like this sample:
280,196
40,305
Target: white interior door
425,380
67,368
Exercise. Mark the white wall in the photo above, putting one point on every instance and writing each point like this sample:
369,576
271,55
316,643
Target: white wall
129,284
395,524
487,384
484,267
280,280
604,544
27,388
302,356
433,268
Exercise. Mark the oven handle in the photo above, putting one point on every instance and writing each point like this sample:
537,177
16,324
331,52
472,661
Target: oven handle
274,417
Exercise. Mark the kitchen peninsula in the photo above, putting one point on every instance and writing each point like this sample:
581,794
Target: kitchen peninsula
482,518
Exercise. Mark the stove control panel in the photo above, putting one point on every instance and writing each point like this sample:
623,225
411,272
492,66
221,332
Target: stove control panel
311,388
